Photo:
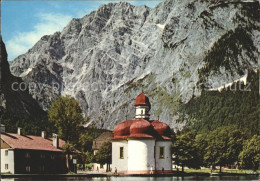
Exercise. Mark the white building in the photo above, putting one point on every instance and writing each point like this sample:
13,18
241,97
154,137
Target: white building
142,146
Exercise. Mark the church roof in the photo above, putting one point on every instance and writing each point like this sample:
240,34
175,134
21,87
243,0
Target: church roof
142,100
142,129
123,129
161,128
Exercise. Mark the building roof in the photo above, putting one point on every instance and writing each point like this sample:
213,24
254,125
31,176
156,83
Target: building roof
123,129
139,126
29,142
161,128
142,100
142,129
104,137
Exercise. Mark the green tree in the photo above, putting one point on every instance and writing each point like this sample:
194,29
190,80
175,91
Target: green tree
104,154
250,156
85,142
185,152
223,146
66,115
86,158
68,149
201,145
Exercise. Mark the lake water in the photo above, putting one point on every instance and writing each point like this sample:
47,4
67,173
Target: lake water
223,178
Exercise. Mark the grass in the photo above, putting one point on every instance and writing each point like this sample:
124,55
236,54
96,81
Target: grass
5,173
87,166
207,170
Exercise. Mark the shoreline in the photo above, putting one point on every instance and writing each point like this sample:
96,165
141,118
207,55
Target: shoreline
121,175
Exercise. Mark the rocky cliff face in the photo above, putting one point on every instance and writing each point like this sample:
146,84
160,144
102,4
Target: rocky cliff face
107,57
14,101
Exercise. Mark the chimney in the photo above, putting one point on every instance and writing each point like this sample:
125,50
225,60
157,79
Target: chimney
55,140
44,134
2,128
19,131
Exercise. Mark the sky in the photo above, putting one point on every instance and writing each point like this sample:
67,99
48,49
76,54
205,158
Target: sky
23,23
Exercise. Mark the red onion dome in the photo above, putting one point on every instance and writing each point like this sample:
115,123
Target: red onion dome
161,128
123,129
140,126
142,100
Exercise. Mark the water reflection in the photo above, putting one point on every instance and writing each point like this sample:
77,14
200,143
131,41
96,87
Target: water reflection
242,178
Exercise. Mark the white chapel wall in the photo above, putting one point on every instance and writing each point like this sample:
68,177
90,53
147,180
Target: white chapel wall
165,162
141,155
120,164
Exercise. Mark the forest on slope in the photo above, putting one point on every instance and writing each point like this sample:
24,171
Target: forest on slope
236,106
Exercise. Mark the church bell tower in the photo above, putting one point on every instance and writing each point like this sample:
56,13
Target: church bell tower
142,107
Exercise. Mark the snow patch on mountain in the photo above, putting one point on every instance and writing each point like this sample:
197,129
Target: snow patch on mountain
243,80
26,72
161,26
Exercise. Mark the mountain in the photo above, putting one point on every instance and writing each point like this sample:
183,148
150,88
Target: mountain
172,52
15,102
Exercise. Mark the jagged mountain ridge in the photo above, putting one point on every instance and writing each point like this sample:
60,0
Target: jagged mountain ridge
105,58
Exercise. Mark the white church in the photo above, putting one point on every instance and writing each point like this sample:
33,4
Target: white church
142,146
